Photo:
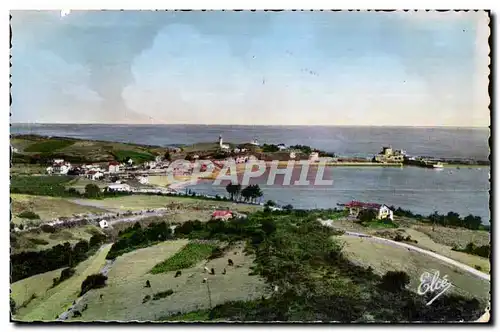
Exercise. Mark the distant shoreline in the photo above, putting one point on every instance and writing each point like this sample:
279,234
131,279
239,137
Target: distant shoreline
239,125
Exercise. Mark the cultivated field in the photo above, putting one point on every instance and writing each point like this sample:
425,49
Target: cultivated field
47,207
51,303
384,257
122,298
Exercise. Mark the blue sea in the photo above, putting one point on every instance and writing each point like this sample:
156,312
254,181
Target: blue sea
464,190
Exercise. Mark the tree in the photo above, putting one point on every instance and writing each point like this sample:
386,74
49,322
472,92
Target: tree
167,156
92,191
270,203
367,215
233,190
246,193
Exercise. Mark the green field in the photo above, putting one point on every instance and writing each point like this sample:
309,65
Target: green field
137,157
50,145
185,258
40,185
76,150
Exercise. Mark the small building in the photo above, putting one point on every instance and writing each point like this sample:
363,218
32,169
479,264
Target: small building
382,211
129,161
222,215
123,187
282,146
58,161
114,167
255,142
94,175
159,159
61,168
103,224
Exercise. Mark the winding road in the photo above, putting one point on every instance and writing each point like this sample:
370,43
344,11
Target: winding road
442,258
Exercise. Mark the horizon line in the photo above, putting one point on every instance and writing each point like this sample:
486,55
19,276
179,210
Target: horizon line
245,125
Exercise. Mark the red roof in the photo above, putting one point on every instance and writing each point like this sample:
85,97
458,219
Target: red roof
221,213
114,163
363,205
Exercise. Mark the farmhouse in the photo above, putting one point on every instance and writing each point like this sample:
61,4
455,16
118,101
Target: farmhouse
114,167
382,211
60,167
222,215
94,175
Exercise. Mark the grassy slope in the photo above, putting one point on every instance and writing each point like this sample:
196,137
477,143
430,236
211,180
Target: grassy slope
47,207
71,235
122,298
90,150
382,258
57,299
139,202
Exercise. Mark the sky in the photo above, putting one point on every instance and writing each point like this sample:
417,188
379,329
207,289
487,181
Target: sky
255,68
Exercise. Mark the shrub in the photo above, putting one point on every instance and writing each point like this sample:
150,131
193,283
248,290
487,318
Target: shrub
398,238
65,274
38,241
12,306
162,295
217,252
92,282
477,267
28,215
395,281
48,228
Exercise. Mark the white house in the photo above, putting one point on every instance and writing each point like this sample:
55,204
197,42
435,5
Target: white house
382,210
281,146
150,164
293,155
58,161
118,187
61,168
94,175
158,159
385,212
114,167
130,161
103,224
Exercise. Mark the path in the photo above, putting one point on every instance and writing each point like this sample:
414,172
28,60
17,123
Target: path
104,270
442,258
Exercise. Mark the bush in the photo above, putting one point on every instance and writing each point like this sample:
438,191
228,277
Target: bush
477,267
395,281
92,191
65,274
38,241
12,306
217,252
92,282
162,295
48,228
28,215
